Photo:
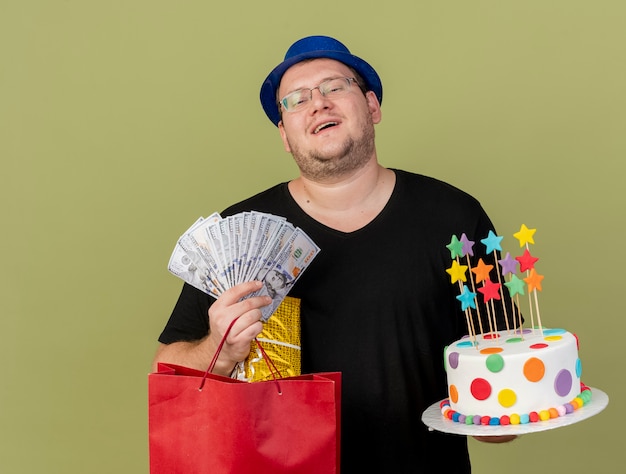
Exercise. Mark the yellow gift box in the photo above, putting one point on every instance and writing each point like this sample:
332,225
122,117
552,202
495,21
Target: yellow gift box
280,339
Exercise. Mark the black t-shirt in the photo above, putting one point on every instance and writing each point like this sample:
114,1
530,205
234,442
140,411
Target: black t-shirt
378,306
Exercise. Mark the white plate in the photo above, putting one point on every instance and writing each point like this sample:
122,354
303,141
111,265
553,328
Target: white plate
433,418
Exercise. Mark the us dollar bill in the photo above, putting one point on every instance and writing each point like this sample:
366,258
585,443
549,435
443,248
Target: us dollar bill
295,256
215,254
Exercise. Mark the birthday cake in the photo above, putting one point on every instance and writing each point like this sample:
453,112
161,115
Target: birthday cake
512,375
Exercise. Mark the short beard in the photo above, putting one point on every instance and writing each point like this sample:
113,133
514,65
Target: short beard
353,155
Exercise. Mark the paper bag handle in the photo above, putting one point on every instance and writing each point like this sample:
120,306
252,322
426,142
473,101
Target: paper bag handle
270,364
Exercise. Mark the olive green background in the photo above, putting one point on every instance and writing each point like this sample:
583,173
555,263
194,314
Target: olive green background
123,121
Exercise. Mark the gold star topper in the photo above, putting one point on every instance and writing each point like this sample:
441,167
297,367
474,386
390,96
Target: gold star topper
457,272
525,235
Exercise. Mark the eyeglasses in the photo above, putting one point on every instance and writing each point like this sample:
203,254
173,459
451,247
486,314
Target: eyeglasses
336,87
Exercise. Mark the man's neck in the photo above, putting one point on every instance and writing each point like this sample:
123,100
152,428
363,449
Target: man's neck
347,203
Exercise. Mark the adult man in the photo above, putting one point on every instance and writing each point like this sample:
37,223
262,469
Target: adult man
376,303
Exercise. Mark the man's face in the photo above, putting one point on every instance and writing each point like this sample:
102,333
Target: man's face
329,137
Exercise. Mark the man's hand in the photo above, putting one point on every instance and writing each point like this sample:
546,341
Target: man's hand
226,309
247,312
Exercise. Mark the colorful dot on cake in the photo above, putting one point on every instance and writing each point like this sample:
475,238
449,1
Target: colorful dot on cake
539,345
507,398
563,382
480,389
491,350
454,393
453,360
494,363
553,332
534,369
512,340
552,338
465,344
579,368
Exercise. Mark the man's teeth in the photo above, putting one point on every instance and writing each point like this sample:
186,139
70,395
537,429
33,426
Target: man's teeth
324,125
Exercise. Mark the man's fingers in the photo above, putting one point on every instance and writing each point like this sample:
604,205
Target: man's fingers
237,292
237,304
250,316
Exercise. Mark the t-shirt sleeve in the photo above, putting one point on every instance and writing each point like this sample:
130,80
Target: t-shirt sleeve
189,320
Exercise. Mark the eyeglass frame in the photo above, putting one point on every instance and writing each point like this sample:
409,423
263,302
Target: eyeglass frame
349,81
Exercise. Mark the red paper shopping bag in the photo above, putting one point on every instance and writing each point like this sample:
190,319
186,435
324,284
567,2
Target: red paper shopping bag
289,425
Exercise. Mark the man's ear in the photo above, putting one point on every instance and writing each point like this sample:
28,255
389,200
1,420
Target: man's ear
283,136
374,106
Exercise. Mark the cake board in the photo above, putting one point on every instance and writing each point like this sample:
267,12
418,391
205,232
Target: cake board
435,421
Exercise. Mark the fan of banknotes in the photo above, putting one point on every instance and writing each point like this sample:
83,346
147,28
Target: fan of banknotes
217,253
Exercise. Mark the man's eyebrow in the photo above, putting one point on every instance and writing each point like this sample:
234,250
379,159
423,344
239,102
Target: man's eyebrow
309,88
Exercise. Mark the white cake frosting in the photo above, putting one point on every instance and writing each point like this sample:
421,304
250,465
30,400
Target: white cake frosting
513,377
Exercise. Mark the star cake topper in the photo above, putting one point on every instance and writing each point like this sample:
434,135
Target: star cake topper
525,235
